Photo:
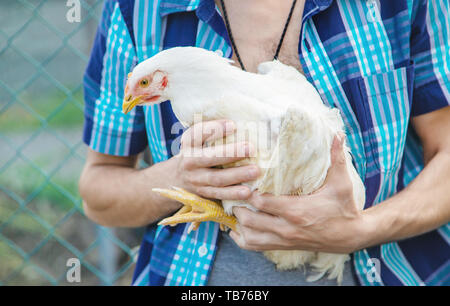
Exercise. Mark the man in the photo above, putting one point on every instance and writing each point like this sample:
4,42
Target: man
384,64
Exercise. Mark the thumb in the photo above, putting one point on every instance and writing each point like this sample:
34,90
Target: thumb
338,165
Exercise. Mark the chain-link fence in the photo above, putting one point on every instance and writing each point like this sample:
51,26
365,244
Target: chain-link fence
44,49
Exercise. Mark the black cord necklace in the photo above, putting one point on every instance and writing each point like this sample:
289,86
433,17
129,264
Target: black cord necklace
233,44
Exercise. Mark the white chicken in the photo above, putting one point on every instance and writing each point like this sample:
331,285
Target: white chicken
292,147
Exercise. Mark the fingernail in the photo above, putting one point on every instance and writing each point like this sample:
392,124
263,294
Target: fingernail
243,193
341,137
253,173
238,231
229,126
338,141
249,149
335,143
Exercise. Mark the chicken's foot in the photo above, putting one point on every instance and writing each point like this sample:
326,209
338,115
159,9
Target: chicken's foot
195,210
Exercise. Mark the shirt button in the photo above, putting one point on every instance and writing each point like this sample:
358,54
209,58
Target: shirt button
219,52
202,250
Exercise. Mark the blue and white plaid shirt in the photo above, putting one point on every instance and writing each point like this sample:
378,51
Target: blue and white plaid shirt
380,62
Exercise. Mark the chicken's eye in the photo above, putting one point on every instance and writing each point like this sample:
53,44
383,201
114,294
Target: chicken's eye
143,83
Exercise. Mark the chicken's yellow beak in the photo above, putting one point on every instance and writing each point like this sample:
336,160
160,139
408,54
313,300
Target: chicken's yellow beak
129,102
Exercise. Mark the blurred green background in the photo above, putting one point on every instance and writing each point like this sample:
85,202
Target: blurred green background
42,60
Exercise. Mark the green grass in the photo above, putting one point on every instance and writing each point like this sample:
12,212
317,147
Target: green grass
25,181
52,107
22,222
49,205
9,258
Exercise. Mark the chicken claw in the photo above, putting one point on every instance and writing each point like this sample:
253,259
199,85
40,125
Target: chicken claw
195,210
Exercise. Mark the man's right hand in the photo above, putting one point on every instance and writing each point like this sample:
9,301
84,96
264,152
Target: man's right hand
115,193
195,162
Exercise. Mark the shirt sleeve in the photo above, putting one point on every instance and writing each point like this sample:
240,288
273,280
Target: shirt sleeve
106,129
430,51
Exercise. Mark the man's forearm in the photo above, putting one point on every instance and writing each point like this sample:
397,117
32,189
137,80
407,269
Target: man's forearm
422,206
116,195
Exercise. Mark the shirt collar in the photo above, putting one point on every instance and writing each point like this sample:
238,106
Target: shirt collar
322,4
313,7
204,9
175,6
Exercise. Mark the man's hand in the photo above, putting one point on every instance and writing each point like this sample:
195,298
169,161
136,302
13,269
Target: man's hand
115,193
327,220
194,162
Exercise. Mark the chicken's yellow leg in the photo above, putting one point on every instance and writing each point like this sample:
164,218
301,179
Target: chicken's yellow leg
196,210
183,210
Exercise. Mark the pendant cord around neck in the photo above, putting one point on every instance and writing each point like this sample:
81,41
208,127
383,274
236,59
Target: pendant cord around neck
233,44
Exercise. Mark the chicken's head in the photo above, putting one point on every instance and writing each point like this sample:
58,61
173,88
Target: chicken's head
179,74
144,89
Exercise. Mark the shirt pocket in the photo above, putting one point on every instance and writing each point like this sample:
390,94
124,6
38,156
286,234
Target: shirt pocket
387,99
